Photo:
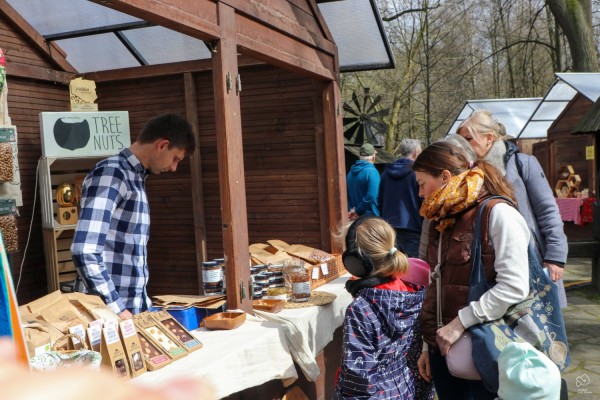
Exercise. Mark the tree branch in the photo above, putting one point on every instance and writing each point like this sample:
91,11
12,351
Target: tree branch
410,10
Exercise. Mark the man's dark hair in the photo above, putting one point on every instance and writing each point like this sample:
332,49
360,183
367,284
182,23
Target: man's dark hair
173,127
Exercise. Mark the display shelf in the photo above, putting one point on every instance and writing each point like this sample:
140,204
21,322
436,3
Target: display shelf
58,237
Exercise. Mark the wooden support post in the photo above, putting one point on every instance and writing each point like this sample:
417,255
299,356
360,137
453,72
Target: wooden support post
231,163
335,170
191,111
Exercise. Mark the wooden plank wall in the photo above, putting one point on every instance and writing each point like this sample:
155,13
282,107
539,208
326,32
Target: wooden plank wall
278,124
26,99
171,250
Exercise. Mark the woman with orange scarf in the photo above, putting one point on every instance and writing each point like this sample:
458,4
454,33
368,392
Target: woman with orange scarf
453,189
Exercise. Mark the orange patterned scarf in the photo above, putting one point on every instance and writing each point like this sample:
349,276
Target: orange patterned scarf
460,193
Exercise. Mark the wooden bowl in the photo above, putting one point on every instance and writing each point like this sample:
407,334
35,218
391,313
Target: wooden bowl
225,320
272,306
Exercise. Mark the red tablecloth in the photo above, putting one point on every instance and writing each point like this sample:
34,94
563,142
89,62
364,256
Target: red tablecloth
576,210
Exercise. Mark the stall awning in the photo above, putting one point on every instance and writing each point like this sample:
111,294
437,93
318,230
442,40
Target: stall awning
561,93
97,38
512,113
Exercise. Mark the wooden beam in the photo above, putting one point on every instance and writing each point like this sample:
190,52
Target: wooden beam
230,154
153,71
193,18
285,18
278,49
191,112
320,154
335,171
54,53
38,73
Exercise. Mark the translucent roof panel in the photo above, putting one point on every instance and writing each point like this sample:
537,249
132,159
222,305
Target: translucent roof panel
553,104
157,44
357,31
586,83
512,113
97,53
76,25
50,17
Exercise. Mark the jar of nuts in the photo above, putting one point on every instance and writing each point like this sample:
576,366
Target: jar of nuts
298,280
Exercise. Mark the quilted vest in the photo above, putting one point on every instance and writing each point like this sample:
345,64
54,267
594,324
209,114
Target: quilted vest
455,267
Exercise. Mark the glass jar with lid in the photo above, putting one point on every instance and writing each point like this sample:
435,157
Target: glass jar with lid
297,280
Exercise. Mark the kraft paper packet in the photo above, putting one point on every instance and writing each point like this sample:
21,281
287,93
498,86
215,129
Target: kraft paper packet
133,347
92,307
39,334
178,331
113,353
161,337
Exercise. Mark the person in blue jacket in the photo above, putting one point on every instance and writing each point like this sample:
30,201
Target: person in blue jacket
399,201
363,184
381,341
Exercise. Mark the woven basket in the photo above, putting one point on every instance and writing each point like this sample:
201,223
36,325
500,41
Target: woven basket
58,358
335,267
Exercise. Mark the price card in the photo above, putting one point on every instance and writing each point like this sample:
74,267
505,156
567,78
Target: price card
315,273
324,269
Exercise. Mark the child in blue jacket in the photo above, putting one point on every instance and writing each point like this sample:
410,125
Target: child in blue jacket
381,342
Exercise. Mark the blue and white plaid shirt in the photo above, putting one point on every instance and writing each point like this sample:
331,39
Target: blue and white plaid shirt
110,244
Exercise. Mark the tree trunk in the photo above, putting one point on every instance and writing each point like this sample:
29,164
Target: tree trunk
575,20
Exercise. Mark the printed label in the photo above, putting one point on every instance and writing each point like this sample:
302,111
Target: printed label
127,328
212,276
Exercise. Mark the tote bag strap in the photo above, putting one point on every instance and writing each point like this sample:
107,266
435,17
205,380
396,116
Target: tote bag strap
478,283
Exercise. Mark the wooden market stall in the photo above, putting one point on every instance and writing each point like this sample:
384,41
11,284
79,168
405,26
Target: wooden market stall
268,97
266,107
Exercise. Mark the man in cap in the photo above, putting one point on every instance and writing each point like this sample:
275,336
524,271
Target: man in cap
363,184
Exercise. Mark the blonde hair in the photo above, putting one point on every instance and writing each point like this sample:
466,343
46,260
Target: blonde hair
481,121
374,239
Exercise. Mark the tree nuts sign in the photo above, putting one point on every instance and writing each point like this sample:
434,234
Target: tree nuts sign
84,134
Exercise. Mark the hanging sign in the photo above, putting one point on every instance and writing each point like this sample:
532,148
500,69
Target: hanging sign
84,134
589,152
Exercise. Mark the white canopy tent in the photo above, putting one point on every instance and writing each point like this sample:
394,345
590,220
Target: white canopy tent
561,93
512,113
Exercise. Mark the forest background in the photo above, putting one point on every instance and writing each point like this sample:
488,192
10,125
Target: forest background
451,51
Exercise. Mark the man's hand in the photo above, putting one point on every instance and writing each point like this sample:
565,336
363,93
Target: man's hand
555,272
126,315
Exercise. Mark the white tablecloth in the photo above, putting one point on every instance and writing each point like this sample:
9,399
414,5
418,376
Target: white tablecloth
250,355
262,349
308,330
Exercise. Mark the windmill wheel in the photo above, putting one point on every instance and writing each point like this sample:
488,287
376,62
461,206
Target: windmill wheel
364,123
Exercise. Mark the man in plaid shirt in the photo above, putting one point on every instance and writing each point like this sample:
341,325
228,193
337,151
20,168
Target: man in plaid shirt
110,244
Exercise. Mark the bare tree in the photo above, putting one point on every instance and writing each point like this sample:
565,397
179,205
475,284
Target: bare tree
575,20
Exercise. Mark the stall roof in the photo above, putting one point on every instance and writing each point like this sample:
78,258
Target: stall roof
512,113
562,91
590,123
98,38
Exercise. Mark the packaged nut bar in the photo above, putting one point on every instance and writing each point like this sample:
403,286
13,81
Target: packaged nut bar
155,358
178,331
133,347
159,336
113,353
